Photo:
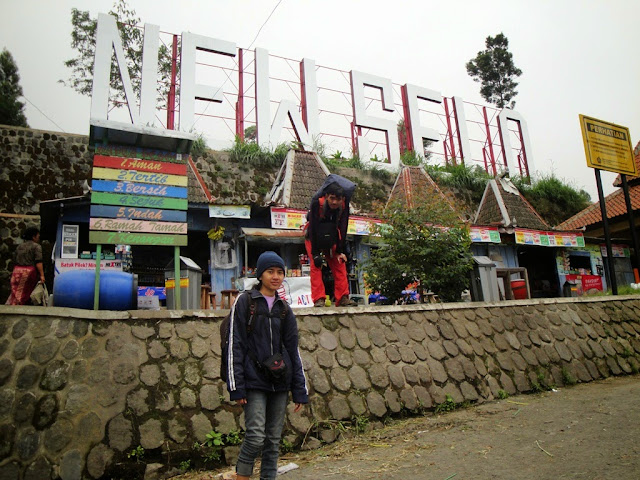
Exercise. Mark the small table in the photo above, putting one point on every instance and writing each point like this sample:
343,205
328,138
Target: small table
228,296
505,274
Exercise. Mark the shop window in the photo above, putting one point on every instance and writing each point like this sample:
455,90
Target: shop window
580,263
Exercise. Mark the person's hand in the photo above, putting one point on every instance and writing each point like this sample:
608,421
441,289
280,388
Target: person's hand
317,261
242,401
297,407
41,278
342,258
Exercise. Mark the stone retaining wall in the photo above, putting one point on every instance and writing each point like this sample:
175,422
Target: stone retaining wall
81,391
35,165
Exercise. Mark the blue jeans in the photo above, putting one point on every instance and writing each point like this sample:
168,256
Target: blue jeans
264,419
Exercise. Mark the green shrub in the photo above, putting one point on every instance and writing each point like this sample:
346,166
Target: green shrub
552,198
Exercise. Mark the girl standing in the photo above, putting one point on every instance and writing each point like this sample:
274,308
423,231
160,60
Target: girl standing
262,326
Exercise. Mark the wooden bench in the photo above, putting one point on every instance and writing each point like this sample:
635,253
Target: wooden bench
212,300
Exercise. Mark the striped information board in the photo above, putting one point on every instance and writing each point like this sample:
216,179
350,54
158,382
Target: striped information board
126,238
137,225
140,165
138,201
138,189
141,177
134,213
138,198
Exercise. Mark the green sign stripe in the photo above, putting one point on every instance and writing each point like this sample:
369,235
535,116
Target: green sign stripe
124,238
104,198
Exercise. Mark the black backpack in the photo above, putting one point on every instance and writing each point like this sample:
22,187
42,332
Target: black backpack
224,334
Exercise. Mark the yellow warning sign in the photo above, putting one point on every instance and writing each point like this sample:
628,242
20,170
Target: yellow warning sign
607,146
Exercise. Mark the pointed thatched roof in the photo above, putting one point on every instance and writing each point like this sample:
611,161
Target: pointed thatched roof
300,177
502,204
413,183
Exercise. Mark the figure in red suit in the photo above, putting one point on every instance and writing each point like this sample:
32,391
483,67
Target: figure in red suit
326,237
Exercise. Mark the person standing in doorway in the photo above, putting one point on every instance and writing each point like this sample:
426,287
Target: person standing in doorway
263,366
28,270
326,239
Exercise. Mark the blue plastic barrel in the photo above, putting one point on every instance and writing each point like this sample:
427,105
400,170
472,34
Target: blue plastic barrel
118,290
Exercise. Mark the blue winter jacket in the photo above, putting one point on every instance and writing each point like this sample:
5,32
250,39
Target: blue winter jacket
270,334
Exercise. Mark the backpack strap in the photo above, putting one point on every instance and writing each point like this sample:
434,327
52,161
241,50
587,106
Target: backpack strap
252,314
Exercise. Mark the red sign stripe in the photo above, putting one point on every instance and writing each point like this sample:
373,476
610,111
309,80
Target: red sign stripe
140,165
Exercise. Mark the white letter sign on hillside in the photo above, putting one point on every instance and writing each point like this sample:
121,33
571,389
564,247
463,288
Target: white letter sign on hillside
302,118
418,132
507,151
189,90
358,81
268,133
107,36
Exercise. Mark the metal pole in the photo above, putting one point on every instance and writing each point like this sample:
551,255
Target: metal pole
632,223
240,102
96,284
452,147
407,121
607,236
490,144
177,289
171,101
455,112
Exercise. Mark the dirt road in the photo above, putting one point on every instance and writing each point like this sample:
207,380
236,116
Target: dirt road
589,431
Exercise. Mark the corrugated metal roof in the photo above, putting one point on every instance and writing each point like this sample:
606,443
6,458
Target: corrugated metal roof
273,234
614,203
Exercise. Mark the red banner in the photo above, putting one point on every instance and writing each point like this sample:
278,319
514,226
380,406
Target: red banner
139,165
589,282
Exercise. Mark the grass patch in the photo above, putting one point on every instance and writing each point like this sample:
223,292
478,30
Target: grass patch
567,378
253,154
448,405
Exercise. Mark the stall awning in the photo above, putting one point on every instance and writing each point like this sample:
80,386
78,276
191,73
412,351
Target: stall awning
273,234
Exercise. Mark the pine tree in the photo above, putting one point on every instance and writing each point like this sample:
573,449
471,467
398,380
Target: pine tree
495,70
11,108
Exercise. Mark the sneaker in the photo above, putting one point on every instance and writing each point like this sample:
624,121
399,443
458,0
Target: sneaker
346,302
319,303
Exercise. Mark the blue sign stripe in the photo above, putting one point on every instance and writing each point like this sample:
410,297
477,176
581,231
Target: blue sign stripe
133,213
138,188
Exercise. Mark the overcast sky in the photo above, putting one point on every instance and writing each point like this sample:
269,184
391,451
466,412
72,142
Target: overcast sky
576,55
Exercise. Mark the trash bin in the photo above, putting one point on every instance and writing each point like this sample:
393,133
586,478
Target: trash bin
484,280
570,289
519,289
190,280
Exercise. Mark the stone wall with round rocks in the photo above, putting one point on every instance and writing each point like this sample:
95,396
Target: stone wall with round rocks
82,391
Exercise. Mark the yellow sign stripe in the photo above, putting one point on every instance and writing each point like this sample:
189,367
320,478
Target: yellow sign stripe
139,177
171,283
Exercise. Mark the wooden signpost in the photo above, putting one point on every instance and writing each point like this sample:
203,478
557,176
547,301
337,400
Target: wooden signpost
139,197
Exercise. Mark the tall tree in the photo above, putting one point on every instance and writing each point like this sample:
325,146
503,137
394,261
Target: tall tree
495,70
11,108
83,40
